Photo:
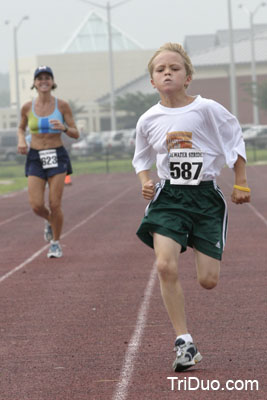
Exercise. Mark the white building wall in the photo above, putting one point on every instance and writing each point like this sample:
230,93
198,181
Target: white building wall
80,77
8,118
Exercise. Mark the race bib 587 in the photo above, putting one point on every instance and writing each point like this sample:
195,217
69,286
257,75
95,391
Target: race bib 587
186,166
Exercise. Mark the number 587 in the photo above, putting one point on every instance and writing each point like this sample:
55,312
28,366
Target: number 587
185,170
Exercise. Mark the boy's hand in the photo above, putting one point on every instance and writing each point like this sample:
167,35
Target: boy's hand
240,197
148,190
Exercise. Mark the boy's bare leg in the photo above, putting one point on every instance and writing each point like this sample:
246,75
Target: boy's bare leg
208,270
167,253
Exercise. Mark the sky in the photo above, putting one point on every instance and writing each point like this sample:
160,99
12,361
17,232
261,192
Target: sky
51,23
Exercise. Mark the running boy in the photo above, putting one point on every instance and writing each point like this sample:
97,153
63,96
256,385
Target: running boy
191,139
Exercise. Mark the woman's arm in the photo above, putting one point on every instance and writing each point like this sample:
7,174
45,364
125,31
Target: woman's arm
22,144
71,129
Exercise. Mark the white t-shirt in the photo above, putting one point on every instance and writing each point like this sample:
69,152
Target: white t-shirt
204,124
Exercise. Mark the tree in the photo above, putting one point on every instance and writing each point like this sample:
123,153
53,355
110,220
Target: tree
75,108
136,103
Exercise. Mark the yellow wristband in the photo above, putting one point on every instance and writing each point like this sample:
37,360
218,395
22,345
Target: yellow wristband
242,188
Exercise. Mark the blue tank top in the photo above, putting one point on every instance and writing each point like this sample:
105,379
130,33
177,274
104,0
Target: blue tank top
41,124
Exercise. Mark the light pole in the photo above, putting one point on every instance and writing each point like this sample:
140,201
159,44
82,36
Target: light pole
253,60
15,38
108,8
234,107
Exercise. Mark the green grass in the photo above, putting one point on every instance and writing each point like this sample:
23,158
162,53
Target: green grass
256,155
12,177
81,167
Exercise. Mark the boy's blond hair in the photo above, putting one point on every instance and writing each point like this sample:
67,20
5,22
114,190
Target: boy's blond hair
177,48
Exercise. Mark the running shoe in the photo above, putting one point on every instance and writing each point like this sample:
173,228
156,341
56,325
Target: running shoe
187,355
48,234
55,251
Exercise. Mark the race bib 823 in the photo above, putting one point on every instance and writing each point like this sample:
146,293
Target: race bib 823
48,158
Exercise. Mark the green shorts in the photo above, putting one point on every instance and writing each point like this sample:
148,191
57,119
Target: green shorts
194,216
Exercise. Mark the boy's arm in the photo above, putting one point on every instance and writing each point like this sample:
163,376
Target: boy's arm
241,191
148,186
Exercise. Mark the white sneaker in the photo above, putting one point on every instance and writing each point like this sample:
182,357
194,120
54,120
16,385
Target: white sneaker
55,251
48,234
187,355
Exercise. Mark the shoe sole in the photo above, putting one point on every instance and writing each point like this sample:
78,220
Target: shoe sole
181,367
53,256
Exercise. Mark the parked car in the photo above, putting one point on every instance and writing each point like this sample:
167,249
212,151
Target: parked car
256,136
113,143
90,145
8,145
245,127
119,143
130,142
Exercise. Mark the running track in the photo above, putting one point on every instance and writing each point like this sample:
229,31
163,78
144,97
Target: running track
91,326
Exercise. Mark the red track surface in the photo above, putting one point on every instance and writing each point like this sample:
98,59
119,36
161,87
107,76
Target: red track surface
91,326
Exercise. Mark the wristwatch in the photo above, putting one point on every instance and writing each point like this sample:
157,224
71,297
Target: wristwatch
65,129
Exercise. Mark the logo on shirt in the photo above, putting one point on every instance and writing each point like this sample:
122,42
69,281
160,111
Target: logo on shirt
179,140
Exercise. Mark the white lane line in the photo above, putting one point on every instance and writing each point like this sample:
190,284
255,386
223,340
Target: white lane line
6,221
30,259
35,255
66,197
132,350
256,212
13,194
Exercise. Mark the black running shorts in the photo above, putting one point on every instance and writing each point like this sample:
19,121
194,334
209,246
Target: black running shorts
34,165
